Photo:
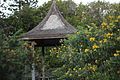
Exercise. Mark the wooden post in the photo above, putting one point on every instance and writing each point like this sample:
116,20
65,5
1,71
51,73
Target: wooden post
33,63
33,71
43,63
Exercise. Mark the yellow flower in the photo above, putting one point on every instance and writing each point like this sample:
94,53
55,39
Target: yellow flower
70,74
108,35
64,46
117,51
54,48
93,67
79,68
86,50
118,17
104,25
77,32
116,54
74,69
100,41
105,40
50,50
95,46
116,20
92,39
110,17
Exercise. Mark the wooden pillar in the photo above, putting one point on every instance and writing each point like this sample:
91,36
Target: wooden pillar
43,63
33,71
33,63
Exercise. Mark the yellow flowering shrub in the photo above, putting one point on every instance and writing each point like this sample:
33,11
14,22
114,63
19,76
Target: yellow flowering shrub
93,51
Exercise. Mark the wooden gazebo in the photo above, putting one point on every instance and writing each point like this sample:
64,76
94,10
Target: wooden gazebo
51,30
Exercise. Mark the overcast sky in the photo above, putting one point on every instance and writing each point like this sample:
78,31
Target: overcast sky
76,1
83,1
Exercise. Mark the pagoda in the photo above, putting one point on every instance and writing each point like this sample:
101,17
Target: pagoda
52,28
49,32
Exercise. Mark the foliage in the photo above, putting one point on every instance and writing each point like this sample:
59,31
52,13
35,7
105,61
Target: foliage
93,53
11,58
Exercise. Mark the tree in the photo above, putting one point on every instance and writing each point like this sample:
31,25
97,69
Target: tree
11,58
93,53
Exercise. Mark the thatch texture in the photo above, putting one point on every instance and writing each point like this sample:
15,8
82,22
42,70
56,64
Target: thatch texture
53,26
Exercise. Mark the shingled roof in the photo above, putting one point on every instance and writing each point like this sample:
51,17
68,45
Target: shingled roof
53,26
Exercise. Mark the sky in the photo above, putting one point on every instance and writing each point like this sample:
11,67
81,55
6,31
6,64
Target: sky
76,1
83,1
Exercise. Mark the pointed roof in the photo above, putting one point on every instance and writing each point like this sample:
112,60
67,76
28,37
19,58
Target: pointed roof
53,26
